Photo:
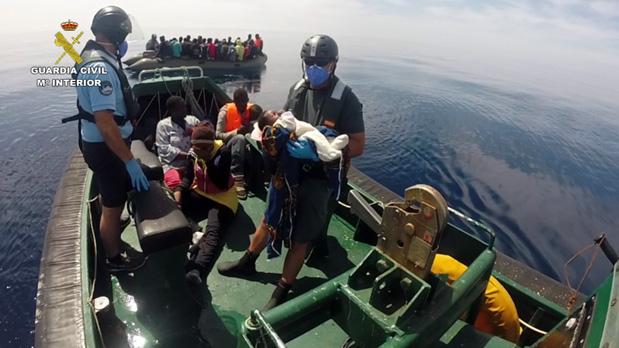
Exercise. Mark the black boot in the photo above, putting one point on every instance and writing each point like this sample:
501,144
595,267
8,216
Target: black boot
245,266
279,295
318,253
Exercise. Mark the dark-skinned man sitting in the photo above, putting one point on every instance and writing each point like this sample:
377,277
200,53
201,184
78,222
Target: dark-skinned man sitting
233,122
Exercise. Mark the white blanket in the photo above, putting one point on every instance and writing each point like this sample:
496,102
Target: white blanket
328,148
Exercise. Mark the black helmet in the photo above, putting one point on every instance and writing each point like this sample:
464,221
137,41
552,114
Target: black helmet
320,47
112,21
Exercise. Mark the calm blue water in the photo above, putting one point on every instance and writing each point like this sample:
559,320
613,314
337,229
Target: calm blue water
539,167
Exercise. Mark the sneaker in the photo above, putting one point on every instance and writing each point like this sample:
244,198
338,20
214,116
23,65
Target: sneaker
125,220
318,253
129,250
240,186
125,263
193,277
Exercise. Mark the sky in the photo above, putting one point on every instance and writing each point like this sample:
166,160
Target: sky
569,46
563,20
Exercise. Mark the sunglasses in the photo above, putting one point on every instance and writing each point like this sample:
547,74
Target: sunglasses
317,61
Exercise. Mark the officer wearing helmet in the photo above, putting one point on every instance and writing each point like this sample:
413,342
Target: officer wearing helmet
105,114
321,99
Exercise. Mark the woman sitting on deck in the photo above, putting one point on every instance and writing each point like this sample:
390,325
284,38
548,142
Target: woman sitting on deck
207,188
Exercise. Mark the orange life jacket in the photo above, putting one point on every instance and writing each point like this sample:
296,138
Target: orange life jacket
234,120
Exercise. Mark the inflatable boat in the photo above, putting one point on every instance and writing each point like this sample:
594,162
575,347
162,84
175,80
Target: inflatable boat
139,63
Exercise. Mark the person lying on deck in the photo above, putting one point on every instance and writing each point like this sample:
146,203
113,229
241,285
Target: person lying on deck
207,188
173,140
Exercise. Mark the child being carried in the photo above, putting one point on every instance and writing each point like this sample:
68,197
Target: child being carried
277,129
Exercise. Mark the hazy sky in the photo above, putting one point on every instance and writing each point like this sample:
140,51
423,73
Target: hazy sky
572,42
590,22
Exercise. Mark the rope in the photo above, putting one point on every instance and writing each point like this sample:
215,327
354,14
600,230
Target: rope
574,291
532,328
200,95
145,109
94,279
187,85
214,101
470,220
204,101
165,84
343,204
158,106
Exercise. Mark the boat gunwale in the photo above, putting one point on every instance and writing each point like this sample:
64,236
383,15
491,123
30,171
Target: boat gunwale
88,285
60,315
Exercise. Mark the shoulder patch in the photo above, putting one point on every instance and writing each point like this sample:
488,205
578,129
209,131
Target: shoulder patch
105,88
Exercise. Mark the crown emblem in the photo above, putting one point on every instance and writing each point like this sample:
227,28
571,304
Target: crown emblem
69,25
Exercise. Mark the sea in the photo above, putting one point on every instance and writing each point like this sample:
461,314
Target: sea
510,145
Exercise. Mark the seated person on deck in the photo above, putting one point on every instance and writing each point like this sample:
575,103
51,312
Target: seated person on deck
173,140
281,205
233,122
207,188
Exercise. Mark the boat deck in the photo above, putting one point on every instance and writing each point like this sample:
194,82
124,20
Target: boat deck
160,309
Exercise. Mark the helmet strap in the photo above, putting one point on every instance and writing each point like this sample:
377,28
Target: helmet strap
111,47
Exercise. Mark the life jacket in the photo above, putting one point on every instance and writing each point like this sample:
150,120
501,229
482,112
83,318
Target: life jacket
331,108
203,185
258,43
497,315
212,50
240,51
234,120
93,52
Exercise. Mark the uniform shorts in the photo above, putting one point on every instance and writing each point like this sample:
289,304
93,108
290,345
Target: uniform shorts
109,173
313,212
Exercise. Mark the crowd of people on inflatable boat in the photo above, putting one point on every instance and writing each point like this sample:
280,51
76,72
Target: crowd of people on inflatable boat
206,48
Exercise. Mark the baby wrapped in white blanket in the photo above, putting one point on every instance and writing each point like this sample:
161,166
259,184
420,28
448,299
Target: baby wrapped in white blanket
327,148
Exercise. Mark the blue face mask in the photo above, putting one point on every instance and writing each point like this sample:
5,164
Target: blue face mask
122,49
317,75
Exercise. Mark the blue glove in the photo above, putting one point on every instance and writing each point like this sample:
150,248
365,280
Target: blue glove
138,179
302,149
327,132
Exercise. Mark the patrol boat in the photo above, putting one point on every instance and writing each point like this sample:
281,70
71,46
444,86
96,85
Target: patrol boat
146,62
378,287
